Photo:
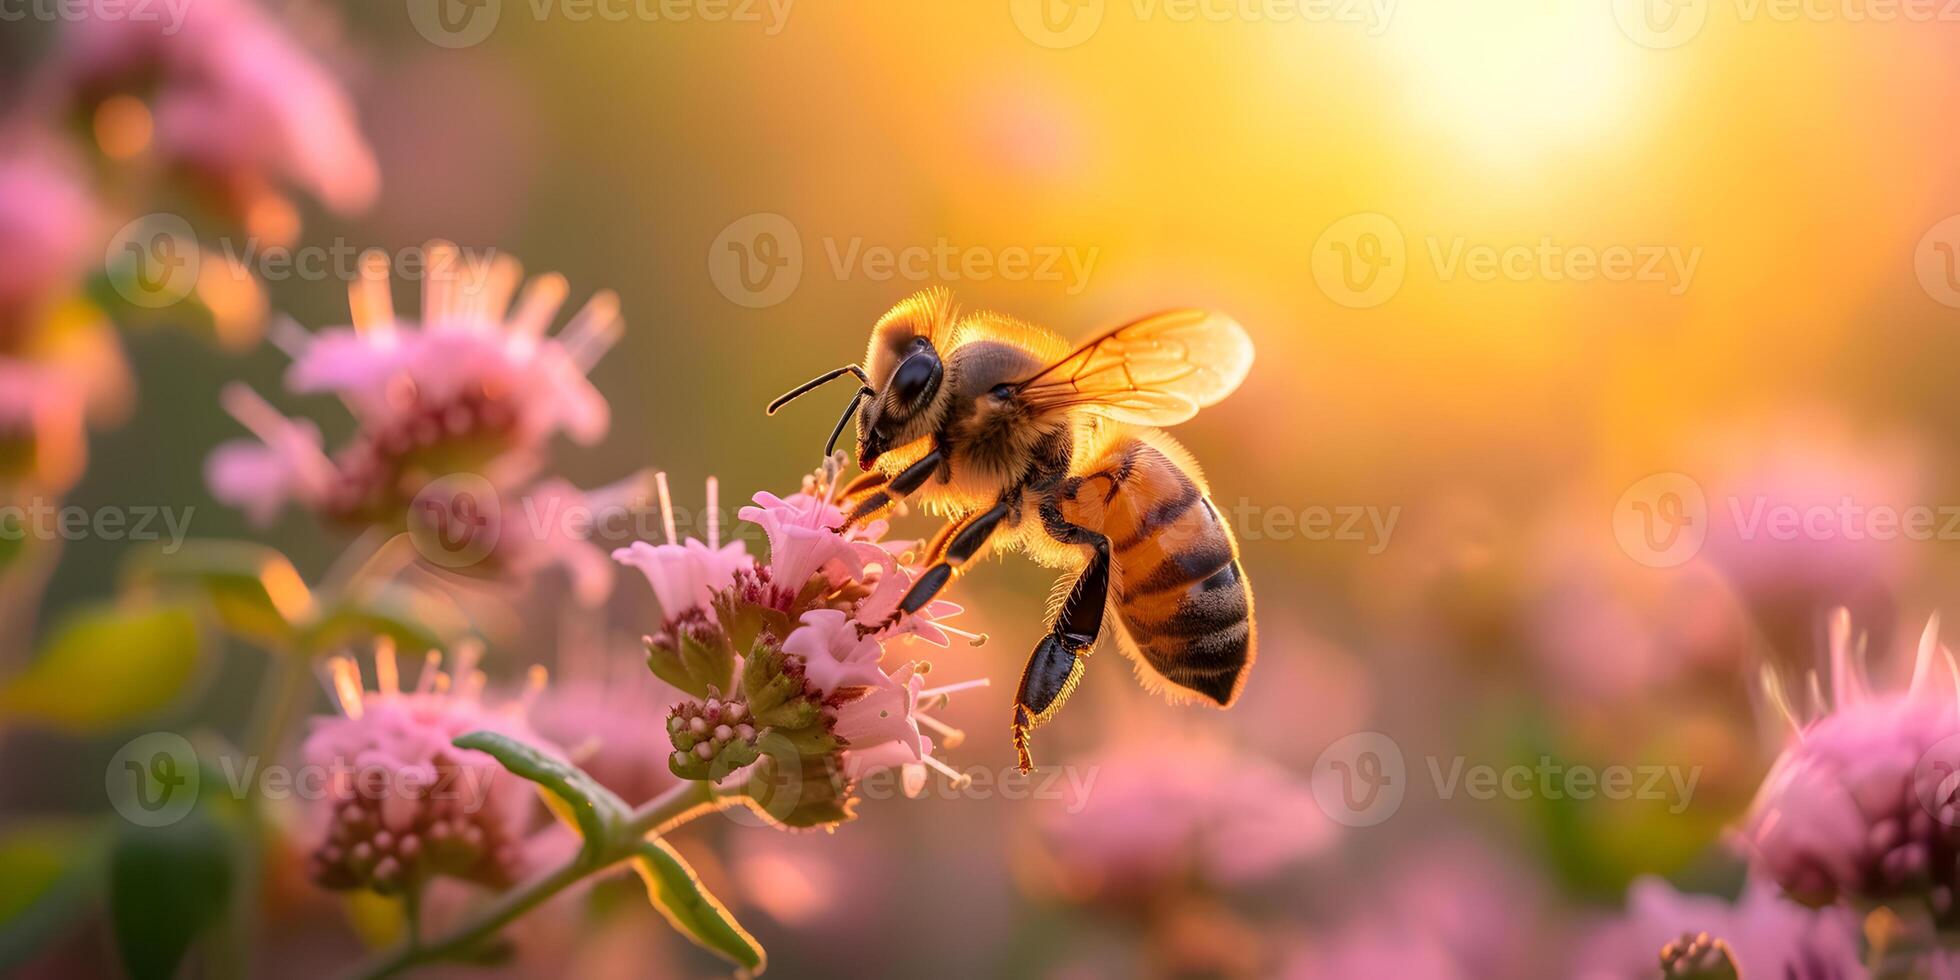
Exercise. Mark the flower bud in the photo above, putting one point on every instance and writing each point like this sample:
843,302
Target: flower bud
693,654
705,746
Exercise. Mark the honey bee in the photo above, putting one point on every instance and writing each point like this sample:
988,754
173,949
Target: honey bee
1024,443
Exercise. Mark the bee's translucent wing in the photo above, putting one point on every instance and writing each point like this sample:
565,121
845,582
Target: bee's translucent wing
1155,371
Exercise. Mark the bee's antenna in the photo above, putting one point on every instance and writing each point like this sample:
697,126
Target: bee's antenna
815,383
842,420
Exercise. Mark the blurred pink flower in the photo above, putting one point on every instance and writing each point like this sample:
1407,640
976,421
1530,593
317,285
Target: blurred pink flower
47,231
1861,802
1804,514
607,716
474,387
1767,935
1163,812
42,441
403,804
1606,629
230,99
1448,909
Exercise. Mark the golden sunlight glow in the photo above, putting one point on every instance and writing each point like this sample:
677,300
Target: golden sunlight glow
1513,80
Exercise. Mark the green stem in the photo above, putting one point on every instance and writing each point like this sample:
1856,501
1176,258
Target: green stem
664,812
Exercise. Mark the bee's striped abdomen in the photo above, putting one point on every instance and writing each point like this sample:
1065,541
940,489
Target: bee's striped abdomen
1181,595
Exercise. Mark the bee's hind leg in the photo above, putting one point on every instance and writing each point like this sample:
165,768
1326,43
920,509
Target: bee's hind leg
1056,664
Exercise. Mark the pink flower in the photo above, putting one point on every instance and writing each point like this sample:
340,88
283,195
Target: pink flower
402,803
228,98
834,653
42,441
470,363
474,387
805,539
1766,934
47,224
1454,908
876,710
1162,810
606,711
1861,803
536,535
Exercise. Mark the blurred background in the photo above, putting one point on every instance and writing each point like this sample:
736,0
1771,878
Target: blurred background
1551,300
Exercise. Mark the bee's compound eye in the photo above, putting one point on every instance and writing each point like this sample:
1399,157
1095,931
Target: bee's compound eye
912,379
1002,392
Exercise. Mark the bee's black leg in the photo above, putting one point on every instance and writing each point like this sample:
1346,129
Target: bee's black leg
1056,664
964,544
909,479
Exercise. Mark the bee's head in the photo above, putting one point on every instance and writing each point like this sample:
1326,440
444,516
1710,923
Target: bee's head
906,378
901,383
907,405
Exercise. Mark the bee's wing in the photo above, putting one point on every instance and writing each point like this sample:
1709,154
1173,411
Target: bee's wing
1155,371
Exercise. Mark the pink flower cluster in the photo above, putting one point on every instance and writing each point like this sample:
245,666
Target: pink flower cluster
796,648
1861,805
225,98
402,803
474,389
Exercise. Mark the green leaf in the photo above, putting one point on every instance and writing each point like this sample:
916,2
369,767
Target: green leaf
104,666
413,620
48,871
593,809
679,895
167,886
253,590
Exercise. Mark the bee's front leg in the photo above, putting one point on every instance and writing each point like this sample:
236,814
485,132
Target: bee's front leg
874,499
